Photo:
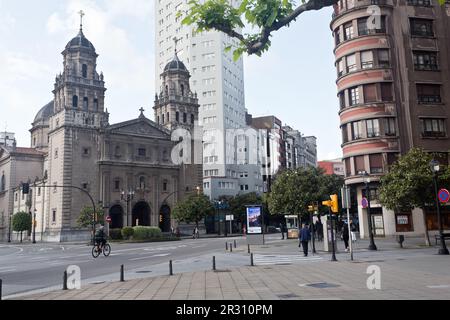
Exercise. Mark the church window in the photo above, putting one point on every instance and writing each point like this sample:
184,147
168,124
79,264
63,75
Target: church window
182,90
15,197
85,104
53,215
75,102
84,70
165,186
86,151
158,120
184,117
39,192
168,117
34,142
56,154
117,185
3,182
178,116
162,119
117,153
95,104
192,119
142,152
84,186
167,89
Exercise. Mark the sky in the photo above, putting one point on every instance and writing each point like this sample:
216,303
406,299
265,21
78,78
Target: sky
294,81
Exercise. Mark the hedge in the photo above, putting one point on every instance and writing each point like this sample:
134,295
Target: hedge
127,233
115,234
146,233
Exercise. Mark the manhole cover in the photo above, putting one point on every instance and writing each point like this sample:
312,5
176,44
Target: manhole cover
287,296
143,271
322,285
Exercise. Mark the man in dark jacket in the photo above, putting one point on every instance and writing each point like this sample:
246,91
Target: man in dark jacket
305,237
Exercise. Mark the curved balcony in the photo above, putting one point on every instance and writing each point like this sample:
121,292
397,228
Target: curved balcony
366,111
360,43
355,5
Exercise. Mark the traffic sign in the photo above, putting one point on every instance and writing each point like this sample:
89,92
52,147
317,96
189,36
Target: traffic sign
108,219
444,195
365,203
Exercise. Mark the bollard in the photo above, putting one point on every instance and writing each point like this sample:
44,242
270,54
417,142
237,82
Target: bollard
235,245
65,280
170,268
226,246
1,283
214,263
122,276
248,248
231,247
251,260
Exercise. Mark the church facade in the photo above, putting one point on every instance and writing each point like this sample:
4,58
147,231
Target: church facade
136,170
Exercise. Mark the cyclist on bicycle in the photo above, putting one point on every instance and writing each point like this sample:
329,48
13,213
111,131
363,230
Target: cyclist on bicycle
100,237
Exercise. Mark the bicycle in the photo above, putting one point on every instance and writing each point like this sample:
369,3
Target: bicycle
97,250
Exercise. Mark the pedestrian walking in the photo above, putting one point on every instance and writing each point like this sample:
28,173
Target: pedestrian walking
345,236
304,237
319,230
283,230
353,230
195,233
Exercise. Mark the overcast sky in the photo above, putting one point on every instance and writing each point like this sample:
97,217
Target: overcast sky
295,81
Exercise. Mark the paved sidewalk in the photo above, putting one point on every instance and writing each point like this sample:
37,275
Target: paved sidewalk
411,273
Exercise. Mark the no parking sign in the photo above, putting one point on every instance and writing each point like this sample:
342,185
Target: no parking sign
444,195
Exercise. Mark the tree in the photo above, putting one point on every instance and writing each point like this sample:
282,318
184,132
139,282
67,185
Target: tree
86,218
193,209
294,190
409,184
264,16
21,222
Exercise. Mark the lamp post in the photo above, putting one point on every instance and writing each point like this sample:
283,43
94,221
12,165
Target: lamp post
9,231
435,169
128,197
372,245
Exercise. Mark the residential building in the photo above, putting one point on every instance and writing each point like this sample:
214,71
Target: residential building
393,75
331,167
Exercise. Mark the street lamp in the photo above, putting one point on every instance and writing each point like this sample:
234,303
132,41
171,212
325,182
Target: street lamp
9,231
34,226
128,197
434,165
372,245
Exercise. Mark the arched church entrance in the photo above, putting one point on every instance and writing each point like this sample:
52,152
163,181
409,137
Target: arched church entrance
116,214
141,214
164,219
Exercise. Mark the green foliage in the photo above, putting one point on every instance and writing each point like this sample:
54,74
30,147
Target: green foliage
146,233
442,2
294,190
21,221
86,217
193,209
115,234
409,183
127,233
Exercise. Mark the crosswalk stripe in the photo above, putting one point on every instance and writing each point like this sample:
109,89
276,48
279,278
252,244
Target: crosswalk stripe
282,259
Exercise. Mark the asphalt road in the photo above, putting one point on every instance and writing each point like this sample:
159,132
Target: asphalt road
25,268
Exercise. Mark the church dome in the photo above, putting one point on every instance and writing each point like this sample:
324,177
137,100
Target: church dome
175,65
45,113
80,41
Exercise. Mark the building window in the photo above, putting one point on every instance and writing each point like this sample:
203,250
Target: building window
142,152
86,151
117,185
184,117
341,96
429,93
177,115
366,59
96,105
53,216
182,90
84,186
165,186
374,195
373,128
56,153
340,67
424,60
3,183
422,27
359,164
344,133
348,31
386,91
162,117
433,127
84,71
370,93
351,63
376,163
142,183
354,96
389,127
75,102
357,132
337,36
383,58
192,119
423,3
348,169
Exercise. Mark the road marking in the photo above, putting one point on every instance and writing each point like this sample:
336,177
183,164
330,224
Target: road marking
148,257
8,270
264,260
443,286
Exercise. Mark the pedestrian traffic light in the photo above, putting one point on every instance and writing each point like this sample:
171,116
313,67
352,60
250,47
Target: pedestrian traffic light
334,203
25,188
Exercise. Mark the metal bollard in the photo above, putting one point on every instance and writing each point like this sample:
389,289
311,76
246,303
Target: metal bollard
231,247
65,280
251,260
122,275
170,268
235,244
1,283
226,246
214,263
248,248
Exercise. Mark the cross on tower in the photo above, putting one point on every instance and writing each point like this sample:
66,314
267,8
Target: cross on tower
176,42
142,111
82,14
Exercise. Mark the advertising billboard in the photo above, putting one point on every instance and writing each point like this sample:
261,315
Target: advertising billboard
254,220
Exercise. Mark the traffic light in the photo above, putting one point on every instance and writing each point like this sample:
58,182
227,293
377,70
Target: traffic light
160,218
25,188
334,203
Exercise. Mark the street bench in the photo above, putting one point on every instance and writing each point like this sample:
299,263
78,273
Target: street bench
438,237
